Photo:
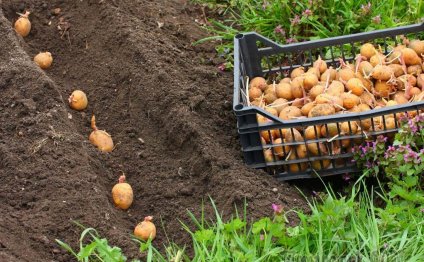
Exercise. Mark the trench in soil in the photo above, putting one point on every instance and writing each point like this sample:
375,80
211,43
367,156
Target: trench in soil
164,102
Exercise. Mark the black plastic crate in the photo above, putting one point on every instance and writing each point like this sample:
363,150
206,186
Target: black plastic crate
255,55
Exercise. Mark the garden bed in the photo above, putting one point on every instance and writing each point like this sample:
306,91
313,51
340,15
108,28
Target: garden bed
164,101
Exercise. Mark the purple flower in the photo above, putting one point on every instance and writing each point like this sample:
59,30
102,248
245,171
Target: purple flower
412,156
376,19
314,193
278,209
366,9
307,13
381,139
403,118
402,149
390,150
368,164
295,20
412,125
279,30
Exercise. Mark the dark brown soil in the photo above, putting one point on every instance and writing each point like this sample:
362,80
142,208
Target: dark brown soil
144,82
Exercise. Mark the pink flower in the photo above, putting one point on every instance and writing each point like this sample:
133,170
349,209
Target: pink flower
278,209
366,9
413,126
279,30
222,67
307,13
290,40
261,237
376,19
295,20
265,4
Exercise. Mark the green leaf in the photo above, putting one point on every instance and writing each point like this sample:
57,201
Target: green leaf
144,246
261,225
204,235
410,172
397,143
234,225
411,181
108,253
277,229
403,168
87,250
293,231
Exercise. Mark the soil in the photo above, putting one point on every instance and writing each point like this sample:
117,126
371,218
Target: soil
165,103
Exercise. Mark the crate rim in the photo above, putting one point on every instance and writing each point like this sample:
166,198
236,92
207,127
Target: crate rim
362,36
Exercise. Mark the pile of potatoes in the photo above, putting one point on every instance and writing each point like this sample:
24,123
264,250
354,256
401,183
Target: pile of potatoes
373,80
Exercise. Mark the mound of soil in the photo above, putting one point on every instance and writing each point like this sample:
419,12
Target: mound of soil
164,102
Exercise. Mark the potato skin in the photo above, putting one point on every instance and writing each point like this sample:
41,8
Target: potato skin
367,50
322,110
44,60
23,26
382,72
122,195
102,140
295,137
258,82
78,100
284,90
289,112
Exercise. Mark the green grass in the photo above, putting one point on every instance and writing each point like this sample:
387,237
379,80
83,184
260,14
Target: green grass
97,248
338,228
300,20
